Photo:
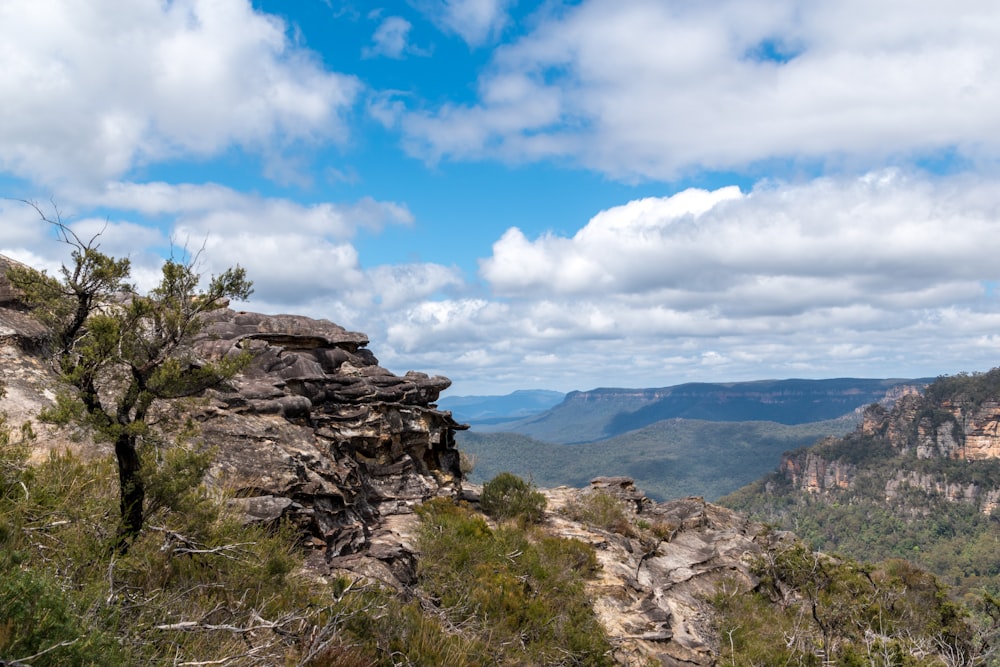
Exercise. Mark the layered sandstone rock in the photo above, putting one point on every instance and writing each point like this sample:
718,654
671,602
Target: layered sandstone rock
916,426
985,498
652,595
315,431
814,474
951,429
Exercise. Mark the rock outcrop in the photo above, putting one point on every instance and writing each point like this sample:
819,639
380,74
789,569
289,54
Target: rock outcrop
652,595
813,473
952,429
961,425
313,431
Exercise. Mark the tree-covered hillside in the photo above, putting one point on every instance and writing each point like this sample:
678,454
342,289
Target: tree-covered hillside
879,493
669,459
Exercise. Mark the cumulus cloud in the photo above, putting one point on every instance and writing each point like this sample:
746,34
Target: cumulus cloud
296,253
779,248
650,89
93,88
399,285
301,257
846,276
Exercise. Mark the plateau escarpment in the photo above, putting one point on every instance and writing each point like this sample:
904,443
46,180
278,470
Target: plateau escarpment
918,480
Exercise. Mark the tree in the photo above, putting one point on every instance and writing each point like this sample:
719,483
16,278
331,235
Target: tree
123,351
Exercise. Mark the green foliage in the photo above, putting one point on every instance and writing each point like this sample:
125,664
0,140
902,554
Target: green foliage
513,586
967,389
855,448
809,604
173,483
403,633
38,618
952,539
122,351
507,496
174,597
601,509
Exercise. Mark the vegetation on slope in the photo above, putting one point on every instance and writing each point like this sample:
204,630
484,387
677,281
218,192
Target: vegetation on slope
953,539
670,459
516,589
200,587
812,609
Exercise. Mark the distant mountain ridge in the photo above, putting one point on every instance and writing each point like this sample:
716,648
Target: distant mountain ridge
691,439
599,414
497,409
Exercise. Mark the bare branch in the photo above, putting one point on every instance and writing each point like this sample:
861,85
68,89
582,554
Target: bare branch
69,642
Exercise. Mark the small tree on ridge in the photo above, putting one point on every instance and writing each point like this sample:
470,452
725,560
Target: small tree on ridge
123,351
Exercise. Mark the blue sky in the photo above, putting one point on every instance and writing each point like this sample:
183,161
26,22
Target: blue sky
558,195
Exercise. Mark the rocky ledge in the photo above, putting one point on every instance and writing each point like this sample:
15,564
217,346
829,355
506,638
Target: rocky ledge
315,431
652,595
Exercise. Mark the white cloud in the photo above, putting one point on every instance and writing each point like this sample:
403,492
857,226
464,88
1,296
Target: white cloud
403,284
92,88
835,276
779,249
300,256
651,89
295,253
233,212
390,39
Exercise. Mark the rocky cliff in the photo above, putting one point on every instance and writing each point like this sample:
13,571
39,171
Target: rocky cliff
314,430
941,424
954,427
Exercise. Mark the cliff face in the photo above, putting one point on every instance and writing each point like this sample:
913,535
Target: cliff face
813,473
917,426
950,428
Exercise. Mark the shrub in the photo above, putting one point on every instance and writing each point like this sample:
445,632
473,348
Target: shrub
520,592
601,509
507,496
